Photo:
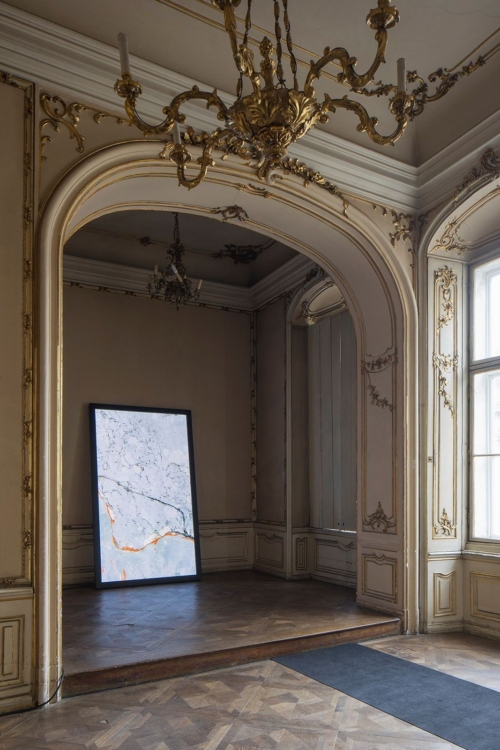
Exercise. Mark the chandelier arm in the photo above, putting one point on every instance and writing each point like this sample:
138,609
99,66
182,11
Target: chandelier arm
399,107
131,90
348,74
447,81
181,157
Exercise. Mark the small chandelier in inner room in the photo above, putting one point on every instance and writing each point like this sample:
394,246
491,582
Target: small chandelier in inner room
172,284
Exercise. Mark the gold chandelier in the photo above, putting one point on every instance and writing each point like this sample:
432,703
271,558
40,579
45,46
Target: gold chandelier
172,284
260,126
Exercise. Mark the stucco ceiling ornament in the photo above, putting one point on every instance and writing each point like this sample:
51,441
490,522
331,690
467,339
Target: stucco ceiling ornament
260,126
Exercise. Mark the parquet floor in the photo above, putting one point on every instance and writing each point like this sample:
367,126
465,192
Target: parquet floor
114,627
261,706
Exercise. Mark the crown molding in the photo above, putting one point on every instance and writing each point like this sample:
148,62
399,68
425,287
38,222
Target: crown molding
112,276
439,176
288,277
73,65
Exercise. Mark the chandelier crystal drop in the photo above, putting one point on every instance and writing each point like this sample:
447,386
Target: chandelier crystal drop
260,126
172,284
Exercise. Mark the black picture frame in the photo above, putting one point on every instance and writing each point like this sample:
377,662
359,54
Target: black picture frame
99,583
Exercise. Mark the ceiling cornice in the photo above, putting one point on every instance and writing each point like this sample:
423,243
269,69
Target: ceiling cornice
115,277
73,65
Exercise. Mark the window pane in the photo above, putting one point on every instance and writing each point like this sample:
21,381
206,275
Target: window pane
487,310
486,489
486,455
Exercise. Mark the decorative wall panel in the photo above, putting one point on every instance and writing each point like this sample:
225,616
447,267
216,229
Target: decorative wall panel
485,596
334,558
379,577
301,554
228,548
17,379
446,400
11,648
445,594
270,550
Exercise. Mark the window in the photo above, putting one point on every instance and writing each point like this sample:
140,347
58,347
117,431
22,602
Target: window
485,402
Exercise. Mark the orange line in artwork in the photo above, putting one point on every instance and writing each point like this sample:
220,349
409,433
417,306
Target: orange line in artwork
133,549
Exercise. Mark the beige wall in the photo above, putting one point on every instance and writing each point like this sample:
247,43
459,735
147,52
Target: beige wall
271,447
124,350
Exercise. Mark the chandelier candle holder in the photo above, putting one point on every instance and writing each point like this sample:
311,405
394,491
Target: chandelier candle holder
172,284
260,126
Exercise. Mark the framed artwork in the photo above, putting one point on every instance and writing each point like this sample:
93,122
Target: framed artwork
144,493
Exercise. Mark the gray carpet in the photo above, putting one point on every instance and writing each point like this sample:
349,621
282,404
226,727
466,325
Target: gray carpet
455,710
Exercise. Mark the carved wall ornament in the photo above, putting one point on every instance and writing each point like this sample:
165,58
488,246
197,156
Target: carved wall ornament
379,520
372,366
27,542
27,377
254,190
451,241
444,363
488,170
445,279
59,113
231,212
27,485
445,527
7,583
404,225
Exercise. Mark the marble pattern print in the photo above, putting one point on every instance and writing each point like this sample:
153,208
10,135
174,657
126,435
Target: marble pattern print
145,502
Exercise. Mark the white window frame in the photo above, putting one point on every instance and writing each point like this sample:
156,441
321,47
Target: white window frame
475,367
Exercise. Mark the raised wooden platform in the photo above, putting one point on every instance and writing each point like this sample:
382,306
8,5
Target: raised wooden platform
120,637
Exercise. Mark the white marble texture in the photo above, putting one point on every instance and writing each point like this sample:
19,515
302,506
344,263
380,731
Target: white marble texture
145,502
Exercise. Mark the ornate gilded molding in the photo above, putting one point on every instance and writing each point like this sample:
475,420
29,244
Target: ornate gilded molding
445,527
404,226
254,190
445,278
28,373
253,415
379,519
445,361
231,212
451,240
488,170
68,115
59,113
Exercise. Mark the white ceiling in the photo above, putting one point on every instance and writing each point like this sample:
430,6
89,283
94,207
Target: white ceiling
115,238
186,36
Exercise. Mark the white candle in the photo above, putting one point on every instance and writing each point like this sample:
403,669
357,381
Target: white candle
402,75
124,58
179,277
177,133
156,270
200,282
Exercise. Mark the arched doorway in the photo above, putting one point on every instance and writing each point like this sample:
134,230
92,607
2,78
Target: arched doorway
381,302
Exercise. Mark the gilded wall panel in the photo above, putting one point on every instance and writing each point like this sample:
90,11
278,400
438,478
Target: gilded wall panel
17,374
446,398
